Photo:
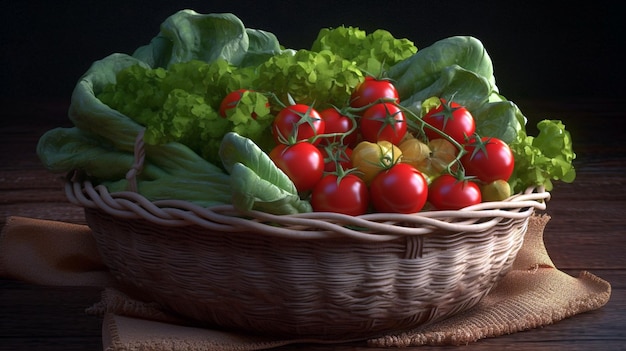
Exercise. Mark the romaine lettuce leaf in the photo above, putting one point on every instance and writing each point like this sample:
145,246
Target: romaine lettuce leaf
257,183
425,67
188,35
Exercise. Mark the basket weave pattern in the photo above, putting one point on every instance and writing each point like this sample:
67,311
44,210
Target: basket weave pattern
320,275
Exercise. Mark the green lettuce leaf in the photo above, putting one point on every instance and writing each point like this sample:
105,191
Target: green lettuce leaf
373,53
541,159
256,182
250,191
188,35
314,78
425,67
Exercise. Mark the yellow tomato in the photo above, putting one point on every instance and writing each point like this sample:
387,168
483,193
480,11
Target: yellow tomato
414,152
371,158
442,153
497,190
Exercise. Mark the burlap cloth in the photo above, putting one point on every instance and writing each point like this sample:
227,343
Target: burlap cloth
535,293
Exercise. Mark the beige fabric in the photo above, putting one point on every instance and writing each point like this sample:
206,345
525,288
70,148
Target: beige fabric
51,253
533,294
121,333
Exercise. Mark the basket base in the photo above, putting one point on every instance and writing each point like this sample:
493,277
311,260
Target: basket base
322,289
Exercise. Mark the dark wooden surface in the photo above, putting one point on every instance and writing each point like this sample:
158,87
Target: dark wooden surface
587,232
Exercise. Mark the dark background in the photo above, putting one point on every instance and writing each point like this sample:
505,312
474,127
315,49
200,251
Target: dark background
541,50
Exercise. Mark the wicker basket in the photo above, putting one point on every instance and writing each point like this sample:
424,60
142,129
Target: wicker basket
317,275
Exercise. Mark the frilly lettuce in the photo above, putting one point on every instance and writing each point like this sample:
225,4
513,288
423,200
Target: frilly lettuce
546,157
181,103
320,78
372,53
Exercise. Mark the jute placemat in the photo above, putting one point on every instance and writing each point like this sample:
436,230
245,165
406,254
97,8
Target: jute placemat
534,294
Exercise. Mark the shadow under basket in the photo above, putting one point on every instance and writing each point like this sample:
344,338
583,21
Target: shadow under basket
312,275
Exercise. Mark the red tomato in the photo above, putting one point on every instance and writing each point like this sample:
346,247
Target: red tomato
338,123
336,154
230,101
302,162
297,123
489,159
383,122
451,118
399,189
347,195
372,90
449,193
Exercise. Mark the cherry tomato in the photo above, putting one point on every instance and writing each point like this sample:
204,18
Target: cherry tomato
449,193
230,101
495,191
347,195
442,153
335,122
297,123
336,154
399,189
372,90
451,118
371,158
383,121
489,159
414,152
302,162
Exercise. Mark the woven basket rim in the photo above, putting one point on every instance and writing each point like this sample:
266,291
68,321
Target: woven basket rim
311,225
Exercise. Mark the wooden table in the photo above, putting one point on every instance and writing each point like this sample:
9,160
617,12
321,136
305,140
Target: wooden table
587,232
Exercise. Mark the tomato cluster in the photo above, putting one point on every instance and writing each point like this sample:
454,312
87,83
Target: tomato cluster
367,156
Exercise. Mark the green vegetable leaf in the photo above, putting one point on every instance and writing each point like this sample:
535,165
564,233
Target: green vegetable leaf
65,149
188,35
422,69
252,118
452,83
501,119
256,182
253,192
541,159
238,149
320,78
263,45
373,53
202,190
